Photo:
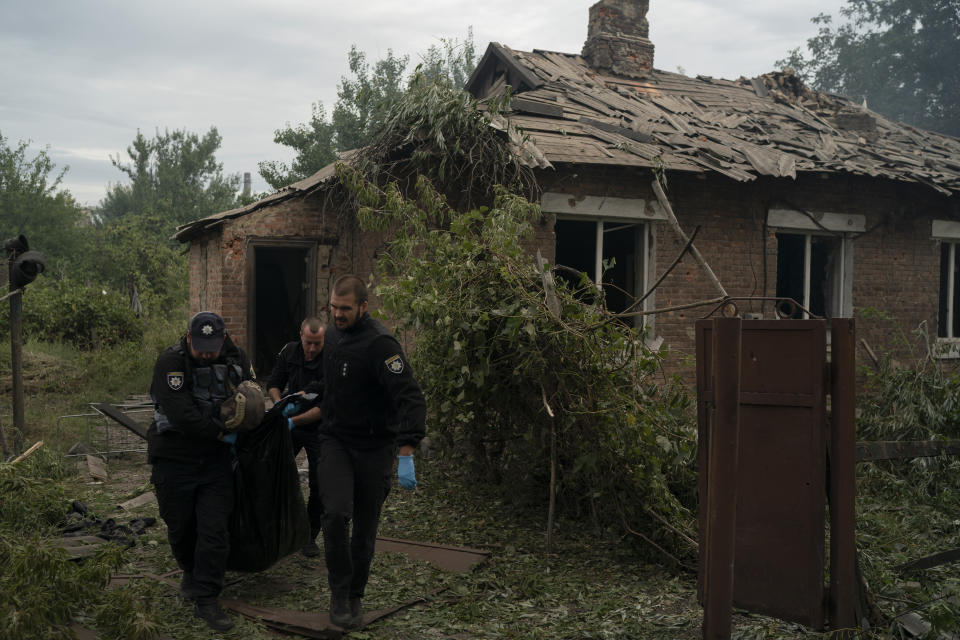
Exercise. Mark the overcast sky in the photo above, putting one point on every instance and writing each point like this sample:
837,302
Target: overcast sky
81,77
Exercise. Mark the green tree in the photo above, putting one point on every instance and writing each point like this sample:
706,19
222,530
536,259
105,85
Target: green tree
32,202
363,100
898,55
175,176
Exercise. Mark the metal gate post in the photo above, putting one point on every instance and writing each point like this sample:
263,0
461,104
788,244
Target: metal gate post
722,481
842,477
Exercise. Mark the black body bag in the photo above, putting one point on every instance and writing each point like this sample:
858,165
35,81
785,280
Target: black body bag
269,520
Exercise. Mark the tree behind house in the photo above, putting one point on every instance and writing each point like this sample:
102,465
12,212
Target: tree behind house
174,176
363,101
900,56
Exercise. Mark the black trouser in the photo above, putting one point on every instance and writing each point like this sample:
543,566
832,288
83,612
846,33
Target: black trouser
309,439
195,501
353,483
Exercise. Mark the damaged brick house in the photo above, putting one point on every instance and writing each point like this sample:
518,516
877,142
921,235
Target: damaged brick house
793,194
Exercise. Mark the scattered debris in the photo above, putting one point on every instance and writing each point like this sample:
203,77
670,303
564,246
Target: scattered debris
97,468
139,501
28,452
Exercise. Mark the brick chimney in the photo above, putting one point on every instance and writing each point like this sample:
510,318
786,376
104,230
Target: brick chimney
617,38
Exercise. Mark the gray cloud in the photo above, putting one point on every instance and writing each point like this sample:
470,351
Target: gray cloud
83,77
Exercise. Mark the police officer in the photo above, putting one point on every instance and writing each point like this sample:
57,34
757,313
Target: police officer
190,453
371,406
299,368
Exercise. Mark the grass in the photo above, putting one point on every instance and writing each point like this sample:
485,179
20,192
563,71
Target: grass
596,583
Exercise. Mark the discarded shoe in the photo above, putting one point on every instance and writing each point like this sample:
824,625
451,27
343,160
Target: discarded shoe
340,613
213,615
311,550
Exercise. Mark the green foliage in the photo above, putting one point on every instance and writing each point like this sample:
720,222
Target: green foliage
363,101
32,203
506,377
898,55
41,591
442,134
451,62
133,254
174,176
315,146
62,309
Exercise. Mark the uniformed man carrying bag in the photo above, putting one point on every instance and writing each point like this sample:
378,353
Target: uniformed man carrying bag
189,446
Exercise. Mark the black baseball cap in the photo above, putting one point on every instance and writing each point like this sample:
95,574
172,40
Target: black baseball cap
207,330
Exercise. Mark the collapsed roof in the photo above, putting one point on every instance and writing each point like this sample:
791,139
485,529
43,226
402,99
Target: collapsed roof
771,125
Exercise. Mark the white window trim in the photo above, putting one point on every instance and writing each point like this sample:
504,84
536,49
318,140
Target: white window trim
592,207
838,225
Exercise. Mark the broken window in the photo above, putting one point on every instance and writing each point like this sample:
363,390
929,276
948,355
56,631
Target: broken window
815,261
948,315
611,254
948,318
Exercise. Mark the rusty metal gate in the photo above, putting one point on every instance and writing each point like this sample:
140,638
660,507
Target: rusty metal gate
763,435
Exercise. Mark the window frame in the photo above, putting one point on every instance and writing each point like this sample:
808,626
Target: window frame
841,226
611,214
948,346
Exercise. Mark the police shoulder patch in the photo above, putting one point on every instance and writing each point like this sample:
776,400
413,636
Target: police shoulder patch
394,364
175,380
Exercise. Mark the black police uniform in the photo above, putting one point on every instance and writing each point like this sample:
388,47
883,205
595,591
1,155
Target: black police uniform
292,372
371,404
191,466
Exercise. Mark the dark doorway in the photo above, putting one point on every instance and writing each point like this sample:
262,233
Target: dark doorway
282,298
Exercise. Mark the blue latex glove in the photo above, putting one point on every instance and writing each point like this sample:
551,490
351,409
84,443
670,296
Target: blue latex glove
229,438
405,473
290,409
290,424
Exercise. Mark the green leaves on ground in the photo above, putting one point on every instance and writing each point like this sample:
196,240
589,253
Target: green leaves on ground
41,592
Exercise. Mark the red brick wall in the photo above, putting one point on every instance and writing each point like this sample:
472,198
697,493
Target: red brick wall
219,275
896,264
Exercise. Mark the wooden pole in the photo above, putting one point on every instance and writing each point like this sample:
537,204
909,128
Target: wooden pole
843,546
16,360
672,219
36,445
553,471
722,480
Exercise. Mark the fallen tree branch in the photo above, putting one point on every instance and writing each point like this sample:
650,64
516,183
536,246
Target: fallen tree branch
29,451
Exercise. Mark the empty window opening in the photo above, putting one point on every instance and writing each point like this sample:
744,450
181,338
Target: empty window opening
587,245
948,325
811,271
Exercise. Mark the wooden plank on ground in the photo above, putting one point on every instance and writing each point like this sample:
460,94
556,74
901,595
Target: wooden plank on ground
139,501
892,450
927,562
97,468
119,416
459,559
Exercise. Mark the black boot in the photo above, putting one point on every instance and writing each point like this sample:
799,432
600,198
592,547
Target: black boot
356,612
340,612
213,615
311,550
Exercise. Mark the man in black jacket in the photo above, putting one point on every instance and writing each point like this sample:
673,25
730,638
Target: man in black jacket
299,368
190,453
371,405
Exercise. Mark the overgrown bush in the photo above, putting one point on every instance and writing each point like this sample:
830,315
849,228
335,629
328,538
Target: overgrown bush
64,310
521,373
42,592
